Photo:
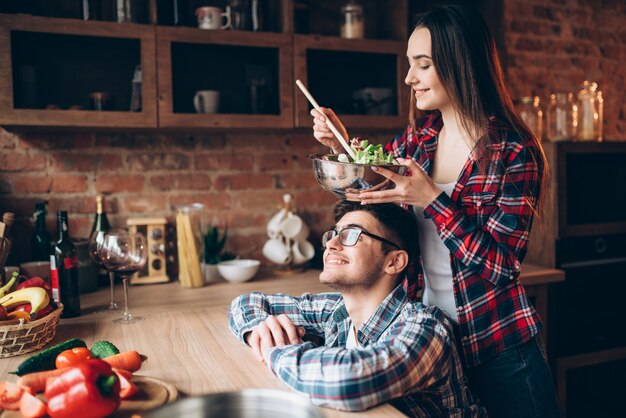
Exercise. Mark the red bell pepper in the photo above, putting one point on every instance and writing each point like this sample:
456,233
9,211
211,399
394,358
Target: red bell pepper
88,390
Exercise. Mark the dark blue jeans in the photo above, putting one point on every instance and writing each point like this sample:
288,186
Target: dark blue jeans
516,383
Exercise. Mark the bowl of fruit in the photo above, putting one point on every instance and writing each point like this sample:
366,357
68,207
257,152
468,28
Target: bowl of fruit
28,316
346,177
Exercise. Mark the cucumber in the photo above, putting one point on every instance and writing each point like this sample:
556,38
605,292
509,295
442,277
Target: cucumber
102,349
45,359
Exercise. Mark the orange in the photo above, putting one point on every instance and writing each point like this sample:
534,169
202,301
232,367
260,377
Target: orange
19,315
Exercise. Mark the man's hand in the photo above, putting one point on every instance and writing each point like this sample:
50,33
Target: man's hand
273,331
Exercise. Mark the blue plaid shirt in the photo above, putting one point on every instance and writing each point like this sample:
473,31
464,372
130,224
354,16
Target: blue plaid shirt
407,354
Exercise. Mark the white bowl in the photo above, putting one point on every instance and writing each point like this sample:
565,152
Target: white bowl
238,271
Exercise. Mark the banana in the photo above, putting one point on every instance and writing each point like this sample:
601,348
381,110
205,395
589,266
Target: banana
36,296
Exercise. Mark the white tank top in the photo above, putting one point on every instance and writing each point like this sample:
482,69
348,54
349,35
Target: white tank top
438,290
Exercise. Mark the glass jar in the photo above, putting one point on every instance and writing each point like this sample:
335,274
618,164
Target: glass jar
531,113
353,25
590,112
561,117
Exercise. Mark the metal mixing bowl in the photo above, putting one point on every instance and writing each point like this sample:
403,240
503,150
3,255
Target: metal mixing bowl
246,403
347,180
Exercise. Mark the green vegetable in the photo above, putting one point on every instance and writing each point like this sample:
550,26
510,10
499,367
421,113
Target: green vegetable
371,154
44,360
102,349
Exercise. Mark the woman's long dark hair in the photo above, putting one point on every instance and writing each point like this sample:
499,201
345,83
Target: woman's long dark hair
465,58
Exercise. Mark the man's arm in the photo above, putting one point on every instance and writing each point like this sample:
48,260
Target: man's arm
309,311
414,355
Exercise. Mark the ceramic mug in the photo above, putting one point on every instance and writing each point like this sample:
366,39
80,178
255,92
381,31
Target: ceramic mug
294,228
302,251
207,101
273,226
277,251
211,18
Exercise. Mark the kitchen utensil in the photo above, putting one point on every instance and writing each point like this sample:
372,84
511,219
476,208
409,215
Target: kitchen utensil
154,231
347,180
342,141
258,403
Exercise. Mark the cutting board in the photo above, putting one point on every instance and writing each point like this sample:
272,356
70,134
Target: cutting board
152,393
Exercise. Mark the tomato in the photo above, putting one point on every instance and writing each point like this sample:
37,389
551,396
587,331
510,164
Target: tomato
32,407
127,388
10,395
69,358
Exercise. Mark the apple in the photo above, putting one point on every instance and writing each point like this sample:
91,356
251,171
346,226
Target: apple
26,307
36,282
3,313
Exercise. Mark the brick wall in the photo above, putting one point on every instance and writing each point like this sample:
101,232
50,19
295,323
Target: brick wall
550,46
553,45
241,179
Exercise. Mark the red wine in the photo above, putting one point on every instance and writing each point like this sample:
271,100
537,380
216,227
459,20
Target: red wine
126,271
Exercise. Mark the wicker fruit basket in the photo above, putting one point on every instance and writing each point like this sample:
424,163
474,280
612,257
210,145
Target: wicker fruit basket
23,338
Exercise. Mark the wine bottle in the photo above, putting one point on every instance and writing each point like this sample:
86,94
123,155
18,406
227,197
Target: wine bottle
66,262
100,225
41,239
100,222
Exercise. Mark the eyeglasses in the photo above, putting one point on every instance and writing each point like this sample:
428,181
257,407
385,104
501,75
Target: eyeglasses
349,236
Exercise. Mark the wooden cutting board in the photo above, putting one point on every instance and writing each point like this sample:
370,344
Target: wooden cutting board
152,393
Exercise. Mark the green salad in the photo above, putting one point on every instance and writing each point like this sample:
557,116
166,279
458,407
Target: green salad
367,153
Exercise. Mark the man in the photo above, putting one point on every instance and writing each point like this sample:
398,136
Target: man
376,344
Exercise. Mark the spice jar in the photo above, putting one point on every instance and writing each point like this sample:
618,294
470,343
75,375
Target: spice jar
590,112
561,117
531,113
353,25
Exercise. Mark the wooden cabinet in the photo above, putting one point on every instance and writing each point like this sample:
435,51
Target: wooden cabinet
49,67
252,73
361,80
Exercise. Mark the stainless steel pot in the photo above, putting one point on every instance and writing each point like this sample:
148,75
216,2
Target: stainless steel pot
246,403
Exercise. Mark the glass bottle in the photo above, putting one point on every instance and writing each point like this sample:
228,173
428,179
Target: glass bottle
41,239
561,117
100,224
590,113
353,24
135,95
531,113
66,263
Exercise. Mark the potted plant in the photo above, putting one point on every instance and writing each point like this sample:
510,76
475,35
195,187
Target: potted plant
214,243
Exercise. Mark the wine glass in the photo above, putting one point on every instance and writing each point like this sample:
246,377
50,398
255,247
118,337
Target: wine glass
95,242
124,253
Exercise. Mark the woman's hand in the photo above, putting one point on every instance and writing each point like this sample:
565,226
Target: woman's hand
417,189
322,132
273,331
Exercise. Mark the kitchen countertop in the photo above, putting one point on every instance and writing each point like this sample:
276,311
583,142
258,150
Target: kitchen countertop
186,338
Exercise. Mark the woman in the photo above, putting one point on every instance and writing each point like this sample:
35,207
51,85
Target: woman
475,176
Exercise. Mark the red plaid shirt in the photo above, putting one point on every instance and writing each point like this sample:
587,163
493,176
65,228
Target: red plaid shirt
485,224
